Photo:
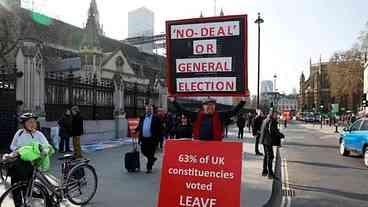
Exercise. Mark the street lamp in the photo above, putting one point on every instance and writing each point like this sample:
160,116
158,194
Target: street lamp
259,21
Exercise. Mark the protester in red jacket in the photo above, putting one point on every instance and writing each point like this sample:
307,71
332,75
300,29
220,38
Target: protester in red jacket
208,122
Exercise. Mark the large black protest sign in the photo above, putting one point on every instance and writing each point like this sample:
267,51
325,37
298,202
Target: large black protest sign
207,56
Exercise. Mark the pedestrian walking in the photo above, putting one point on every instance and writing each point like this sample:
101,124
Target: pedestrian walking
270,136
183,129
250,121
162,116
77,130
285,121
208,122
227,123
256,130
149,129
241,124
352,118
65,125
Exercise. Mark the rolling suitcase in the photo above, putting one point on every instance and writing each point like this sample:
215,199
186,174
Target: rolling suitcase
132,159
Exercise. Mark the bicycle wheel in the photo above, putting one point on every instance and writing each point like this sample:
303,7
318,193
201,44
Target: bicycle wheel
16,196
81,184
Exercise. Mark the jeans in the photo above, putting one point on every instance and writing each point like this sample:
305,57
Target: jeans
64,143
268,159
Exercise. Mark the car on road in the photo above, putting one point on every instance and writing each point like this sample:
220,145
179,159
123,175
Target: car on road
309,119
354,138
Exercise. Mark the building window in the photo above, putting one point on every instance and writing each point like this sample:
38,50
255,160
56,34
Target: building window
119,63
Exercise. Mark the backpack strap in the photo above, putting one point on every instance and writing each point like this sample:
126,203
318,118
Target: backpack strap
20,133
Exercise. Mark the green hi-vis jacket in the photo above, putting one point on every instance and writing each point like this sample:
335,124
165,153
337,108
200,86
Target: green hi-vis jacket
38,154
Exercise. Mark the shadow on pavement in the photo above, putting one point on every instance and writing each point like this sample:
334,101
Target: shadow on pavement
276,195
325,165
251,156
309,145
356,196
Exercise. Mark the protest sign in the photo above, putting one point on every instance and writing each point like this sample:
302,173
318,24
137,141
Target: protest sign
207,56
201,174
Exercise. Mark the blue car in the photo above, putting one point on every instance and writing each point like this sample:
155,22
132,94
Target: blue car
355,139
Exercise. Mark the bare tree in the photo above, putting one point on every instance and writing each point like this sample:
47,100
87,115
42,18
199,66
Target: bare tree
11,31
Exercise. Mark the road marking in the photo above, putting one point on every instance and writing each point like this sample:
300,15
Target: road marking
287,183
329,136
286,200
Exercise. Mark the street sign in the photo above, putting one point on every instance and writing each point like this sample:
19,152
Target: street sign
201,174
207,56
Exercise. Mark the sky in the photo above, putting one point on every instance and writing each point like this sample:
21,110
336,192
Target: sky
293,32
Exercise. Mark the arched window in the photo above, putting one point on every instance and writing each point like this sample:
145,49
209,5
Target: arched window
119,63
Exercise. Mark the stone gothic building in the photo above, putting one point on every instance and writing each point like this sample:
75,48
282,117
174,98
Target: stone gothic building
331,83
49,46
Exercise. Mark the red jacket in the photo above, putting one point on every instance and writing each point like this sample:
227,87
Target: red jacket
217,127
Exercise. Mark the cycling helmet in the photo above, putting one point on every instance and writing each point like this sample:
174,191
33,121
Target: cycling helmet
24,117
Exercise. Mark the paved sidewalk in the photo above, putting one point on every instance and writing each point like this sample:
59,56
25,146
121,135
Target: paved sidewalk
116,186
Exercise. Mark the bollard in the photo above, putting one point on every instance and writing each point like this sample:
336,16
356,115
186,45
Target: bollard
336,130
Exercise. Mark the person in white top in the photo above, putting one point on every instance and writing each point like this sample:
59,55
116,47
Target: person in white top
22,170
28,133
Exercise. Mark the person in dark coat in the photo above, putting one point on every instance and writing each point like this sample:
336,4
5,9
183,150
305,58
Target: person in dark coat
150,130
208,122
227,123
270,136
256,130
77,130
250,121
241,124
183,129
65,124
163,119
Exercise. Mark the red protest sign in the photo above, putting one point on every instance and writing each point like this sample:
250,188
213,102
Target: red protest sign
133,124
207,56
201,174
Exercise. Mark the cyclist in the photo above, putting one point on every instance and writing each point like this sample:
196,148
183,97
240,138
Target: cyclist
22,170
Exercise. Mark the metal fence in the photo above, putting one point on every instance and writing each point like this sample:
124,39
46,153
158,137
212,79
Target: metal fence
8,106
94,98
135,96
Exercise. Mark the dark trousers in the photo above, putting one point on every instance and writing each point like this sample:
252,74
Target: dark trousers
268,159
257,143
162,139
241,133
64,143
148,147
19,172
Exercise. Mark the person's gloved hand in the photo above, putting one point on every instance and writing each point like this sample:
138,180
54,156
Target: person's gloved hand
44,150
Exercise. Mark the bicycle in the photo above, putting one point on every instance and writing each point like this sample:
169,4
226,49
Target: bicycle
41,192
